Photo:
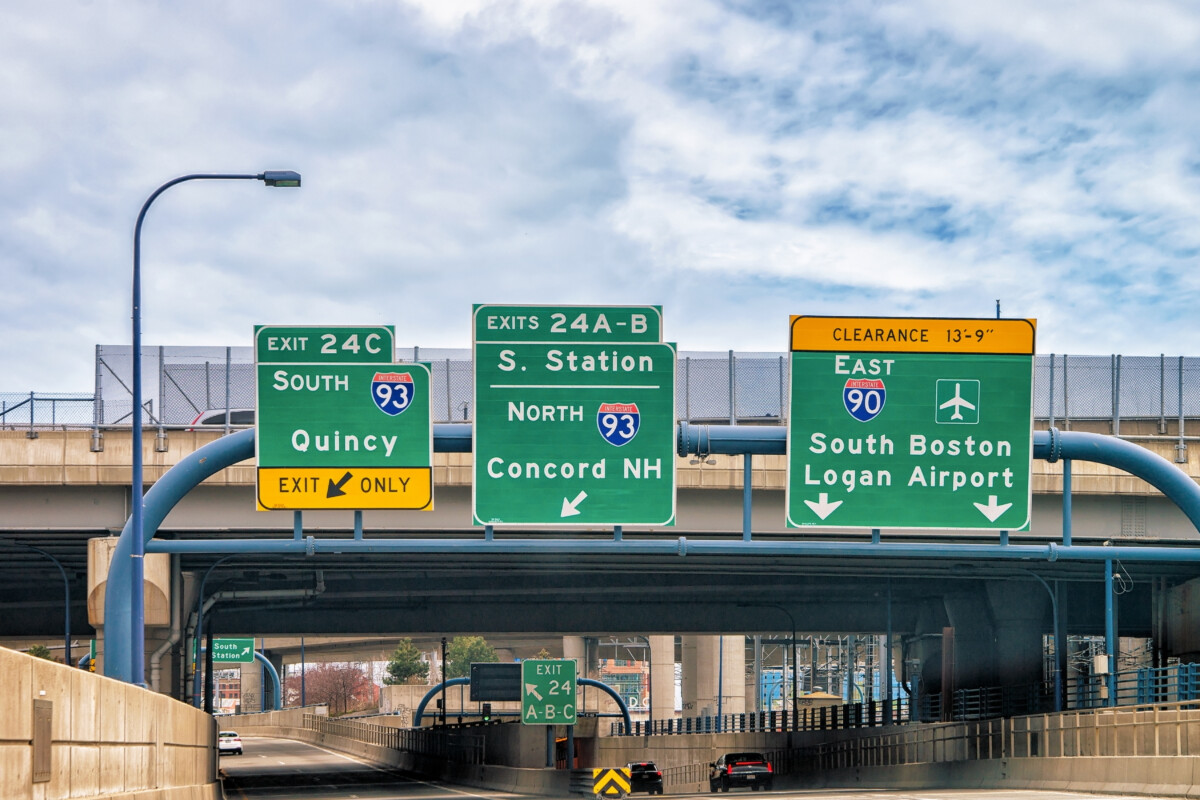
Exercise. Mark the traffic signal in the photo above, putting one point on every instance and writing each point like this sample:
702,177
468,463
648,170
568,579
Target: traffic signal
487,712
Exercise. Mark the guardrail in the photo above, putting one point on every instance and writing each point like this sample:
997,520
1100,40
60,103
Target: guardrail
827,718
1163,729
1174,683
1177,683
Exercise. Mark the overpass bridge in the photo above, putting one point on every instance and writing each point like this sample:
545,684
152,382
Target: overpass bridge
65,491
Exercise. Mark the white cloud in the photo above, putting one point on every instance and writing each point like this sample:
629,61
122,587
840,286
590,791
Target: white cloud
735,163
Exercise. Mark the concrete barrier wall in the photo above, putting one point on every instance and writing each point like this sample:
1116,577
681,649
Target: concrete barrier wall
1161,776
482,776
105,739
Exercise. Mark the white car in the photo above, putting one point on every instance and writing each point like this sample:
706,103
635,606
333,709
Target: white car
229,742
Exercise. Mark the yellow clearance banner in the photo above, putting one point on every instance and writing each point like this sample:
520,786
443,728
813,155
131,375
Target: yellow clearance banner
913,335
351,488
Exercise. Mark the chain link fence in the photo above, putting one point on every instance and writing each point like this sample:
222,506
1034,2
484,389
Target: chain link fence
183,383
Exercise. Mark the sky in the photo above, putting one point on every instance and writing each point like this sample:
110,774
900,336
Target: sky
734,162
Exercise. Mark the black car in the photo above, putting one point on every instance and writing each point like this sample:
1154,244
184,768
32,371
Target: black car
644,776
740,769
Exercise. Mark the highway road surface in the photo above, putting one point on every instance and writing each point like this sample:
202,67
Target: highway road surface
281,769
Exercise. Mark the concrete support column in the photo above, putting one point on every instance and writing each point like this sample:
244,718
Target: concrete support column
707,662
733,674
251,688
689,654
662,677
974,639
1022,613
575,648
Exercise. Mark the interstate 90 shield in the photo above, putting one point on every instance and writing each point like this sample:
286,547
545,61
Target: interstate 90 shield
618,422
392,392
864,398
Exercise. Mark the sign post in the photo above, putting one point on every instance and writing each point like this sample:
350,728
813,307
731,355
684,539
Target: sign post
574,416
910,423
548,692
339,425
233,651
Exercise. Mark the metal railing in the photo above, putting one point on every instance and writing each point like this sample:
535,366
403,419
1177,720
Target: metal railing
728,387
828,718
34,412
1172,684
1146,730
454,746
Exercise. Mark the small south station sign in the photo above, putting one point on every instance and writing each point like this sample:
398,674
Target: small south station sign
910,423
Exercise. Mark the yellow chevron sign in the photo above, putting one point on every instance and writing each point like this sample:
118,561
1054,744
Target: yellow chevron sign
610,782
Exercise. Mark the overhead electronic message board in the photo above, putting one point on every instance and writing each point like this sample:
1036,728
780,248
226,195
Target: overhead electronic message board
339,425
910,423
574,416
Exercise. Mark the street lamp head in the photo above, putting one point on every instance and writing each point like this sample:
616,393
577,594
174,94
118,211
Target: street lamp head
280,177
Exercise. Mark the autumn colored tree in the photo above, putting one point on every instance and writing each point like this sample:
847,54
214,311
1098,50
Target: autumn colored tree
343,687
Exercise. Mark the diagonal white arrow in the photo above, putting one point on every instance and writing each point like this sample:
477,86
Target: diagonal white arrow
531,688
569,509
822,507
992,511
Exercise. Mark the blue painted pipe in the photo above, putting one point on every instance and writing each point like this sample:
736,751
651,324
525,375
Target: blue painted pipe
162,497
419,714
681,546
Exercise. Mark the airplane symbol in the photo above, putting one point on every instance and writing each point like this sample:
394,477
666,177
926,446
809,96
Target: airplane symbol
957,403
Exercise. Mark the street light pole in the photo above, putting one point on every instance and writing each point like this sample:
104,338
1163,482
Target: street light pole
795,667
795,664
137,610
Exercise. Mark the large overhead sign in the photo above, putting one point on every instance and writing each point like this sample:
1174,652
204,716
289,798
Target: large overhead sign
574,416
339,425
910,423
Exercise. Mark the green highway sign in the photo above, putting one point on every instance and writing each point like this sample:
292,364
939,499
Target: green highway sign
355,344
548,692
574,416
333,434
229,651
910,423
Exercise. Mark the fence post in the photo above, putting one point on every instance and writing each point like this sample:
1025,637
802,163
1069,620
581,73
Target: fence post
1116,395
1181,445
732,389
228,370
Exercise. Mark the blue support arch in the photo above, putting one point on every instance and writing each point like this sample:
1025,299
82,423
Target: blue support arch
1050,445
419,714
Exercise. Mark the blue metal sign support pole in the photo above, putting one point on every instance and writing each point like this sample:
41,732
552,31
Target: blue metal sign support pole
887,680
747,489
1110,634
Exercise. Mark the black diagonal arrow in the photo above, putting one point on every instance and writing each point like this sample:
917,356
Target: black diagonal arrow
335,489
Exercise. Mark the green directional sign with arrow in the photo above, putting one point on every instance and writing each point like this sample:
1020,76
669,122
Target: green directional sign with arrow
910,423
338,433
574,416
228,651
548,692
